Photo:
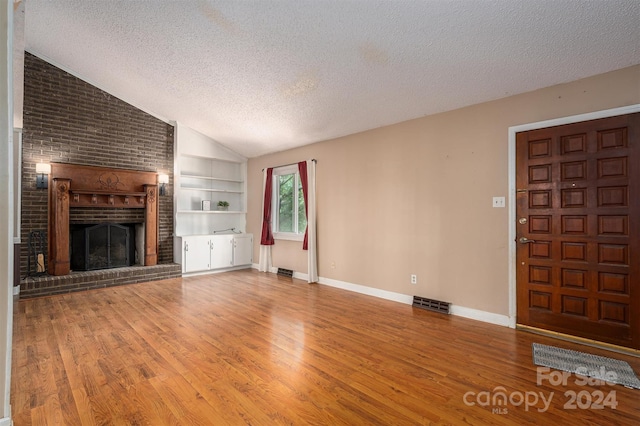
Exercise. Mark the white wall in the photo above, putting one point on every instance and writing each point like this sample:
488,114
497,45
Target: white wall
190,142
6,209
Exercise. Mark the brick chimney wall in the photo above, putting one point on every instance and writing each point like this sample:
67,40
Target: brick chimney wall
67,120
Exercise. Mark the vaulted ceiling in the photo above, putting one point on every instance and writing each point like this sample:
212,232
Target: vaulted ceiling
263,76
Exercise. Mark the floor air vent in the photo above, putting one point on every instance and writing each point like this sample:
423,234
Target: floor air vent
431,305
285,272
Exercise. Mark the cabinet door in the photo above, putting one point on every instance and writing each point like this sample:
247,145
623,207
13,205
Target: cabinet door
221,251
243,250
197,253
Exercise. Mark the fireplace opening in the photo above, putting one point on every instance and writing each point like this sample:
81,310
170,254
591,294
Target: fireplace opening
102,246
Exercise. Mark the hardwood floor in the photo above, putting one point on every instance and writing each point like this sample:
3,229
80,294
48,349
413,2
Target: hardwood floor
251,348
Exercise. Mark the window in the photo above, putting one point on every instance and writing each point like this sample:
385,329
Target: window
288,217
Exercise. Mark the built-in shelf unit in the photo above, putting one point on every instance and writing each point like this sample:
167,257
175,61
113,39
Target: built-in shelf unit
213,180
205,174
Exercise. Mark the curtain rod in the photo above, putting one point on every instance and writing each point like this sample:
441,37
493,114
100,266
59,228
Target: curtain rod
292,164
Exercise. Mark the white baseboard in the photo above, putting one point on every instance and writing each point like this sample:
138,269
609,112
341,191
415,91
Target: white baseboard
299,275
6,421
370,291
256,266
461,311
274,270
215,271
478,315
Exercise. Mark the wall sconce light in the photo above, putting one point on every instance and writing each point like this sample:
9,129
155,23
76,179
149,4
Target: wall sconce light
163,180
42,175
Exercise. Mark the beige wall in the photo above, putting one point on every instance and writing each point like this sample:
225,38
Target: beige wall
416,197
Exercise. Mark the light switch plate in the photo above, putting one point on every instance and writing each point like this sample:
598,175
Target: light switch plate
498,202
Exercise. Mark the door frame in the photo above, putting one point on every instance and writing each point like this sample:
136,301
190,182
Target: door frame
512,183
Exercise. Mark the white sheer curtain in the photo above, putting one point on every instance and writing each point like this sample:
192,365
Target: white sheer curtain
309,190
311,224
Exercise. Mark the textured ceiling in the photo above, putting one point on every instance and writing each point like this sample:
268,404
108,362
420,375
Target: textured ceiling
263,76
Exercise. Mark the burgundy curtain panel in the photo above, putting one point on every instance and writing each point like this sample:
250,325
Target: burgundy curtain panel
304,179
267,236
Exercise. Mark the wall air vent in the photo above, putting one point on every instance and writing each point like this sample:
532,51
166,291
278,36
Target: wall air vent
431,305
285,272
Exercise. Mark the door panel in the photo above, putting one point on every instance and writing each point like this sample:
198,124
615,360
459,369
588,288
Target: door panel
221,251
578,229
197,253
243,250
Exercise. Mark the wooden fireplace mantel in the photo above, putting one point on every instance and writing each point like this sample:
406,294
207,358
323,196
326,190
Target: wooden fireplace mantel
72,185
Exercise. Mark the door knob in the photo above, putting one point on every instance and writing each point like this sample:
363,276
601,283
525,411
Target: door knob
524,240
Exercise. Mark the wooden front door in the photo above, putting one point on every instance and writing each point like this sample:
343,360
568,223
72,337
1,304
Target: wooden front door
578,229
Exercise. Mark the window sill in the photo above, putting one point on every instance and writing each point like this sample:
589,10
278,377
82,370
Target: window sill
288,236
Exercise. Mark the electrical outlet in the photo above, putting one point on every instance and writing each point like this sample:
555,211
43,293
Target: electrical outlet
498,202
414,279
333,265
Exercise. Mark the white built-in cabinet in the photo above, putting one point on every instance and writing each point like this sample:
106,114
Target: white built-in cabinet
209,238
221,251
202,253
196,253
242,249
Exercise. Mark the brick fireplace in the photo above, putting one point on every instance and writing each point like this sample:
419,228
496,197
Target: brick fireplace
67,121
87,195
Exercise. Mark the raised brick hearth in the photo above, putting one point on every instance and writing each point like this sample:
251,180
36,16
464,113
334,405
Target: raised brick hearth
48,285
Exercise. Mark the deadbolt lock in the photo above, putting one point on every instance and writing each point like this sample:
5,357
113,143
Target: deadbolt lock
522,221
